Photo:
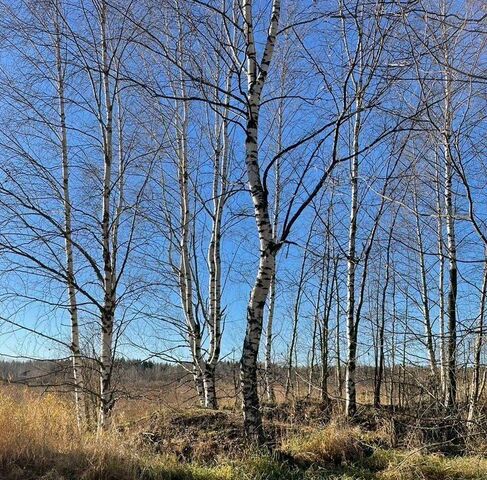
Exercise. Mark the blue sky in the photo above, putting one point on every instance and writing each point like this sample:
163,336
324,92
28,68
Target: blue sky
313,59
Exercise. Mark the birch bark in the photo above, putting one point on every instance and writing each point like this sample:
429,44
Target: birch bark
220,194
256,77
441,284
81,412
424,292
185,274
451,392
109,284
350,389
272,289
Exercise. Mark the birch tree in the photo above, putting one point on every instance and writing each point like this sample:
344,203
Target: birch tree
82,411
424,289
256,71
362,63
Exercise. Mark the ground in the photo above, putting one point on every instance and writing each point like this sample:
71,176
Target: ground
40,440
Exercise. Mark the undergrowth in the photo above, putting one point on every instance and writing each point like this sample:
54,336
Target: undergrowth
40,440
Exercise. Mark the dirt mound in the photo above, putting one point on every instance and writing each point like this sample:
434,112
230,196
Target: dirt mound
202,435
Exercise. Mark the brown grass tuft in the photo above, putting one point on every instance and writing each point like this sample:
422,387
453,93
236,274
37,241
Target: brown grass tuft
33,427
407,466
333,444
40,440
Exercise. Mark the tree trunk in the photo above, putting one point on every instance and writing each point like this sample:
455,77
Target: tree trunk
339,376
296,310
451,394
269,387
220,183
256,76
350,389
268,367
78,382
312,351
424,292
475,386
381,336
255,312
316,323
325,331
109,303
441,284
393,346
194,330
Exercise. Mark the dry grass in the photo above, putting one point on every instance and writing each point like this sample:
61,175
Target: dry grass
407,466
34,427
39,440
335,444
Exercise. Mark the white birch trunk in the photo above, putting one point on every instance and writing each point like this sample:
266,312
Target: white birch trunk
68,243
220,185
325,330
271,397
350,388
296,310
381,334
424,293
109,302
441,285
338,373
185,274
256,76
268,366
194,330
451,392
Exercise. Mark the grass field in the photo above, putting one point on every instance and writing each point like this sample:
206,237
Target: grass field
40,440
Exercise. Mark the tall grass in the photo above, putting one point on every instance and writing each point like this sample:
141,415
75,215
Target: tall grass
34,427
333,444
39,439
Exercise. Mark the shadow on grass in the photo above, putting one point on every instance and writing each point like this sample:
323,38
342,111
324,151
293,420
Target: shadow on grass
82,466
56,466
